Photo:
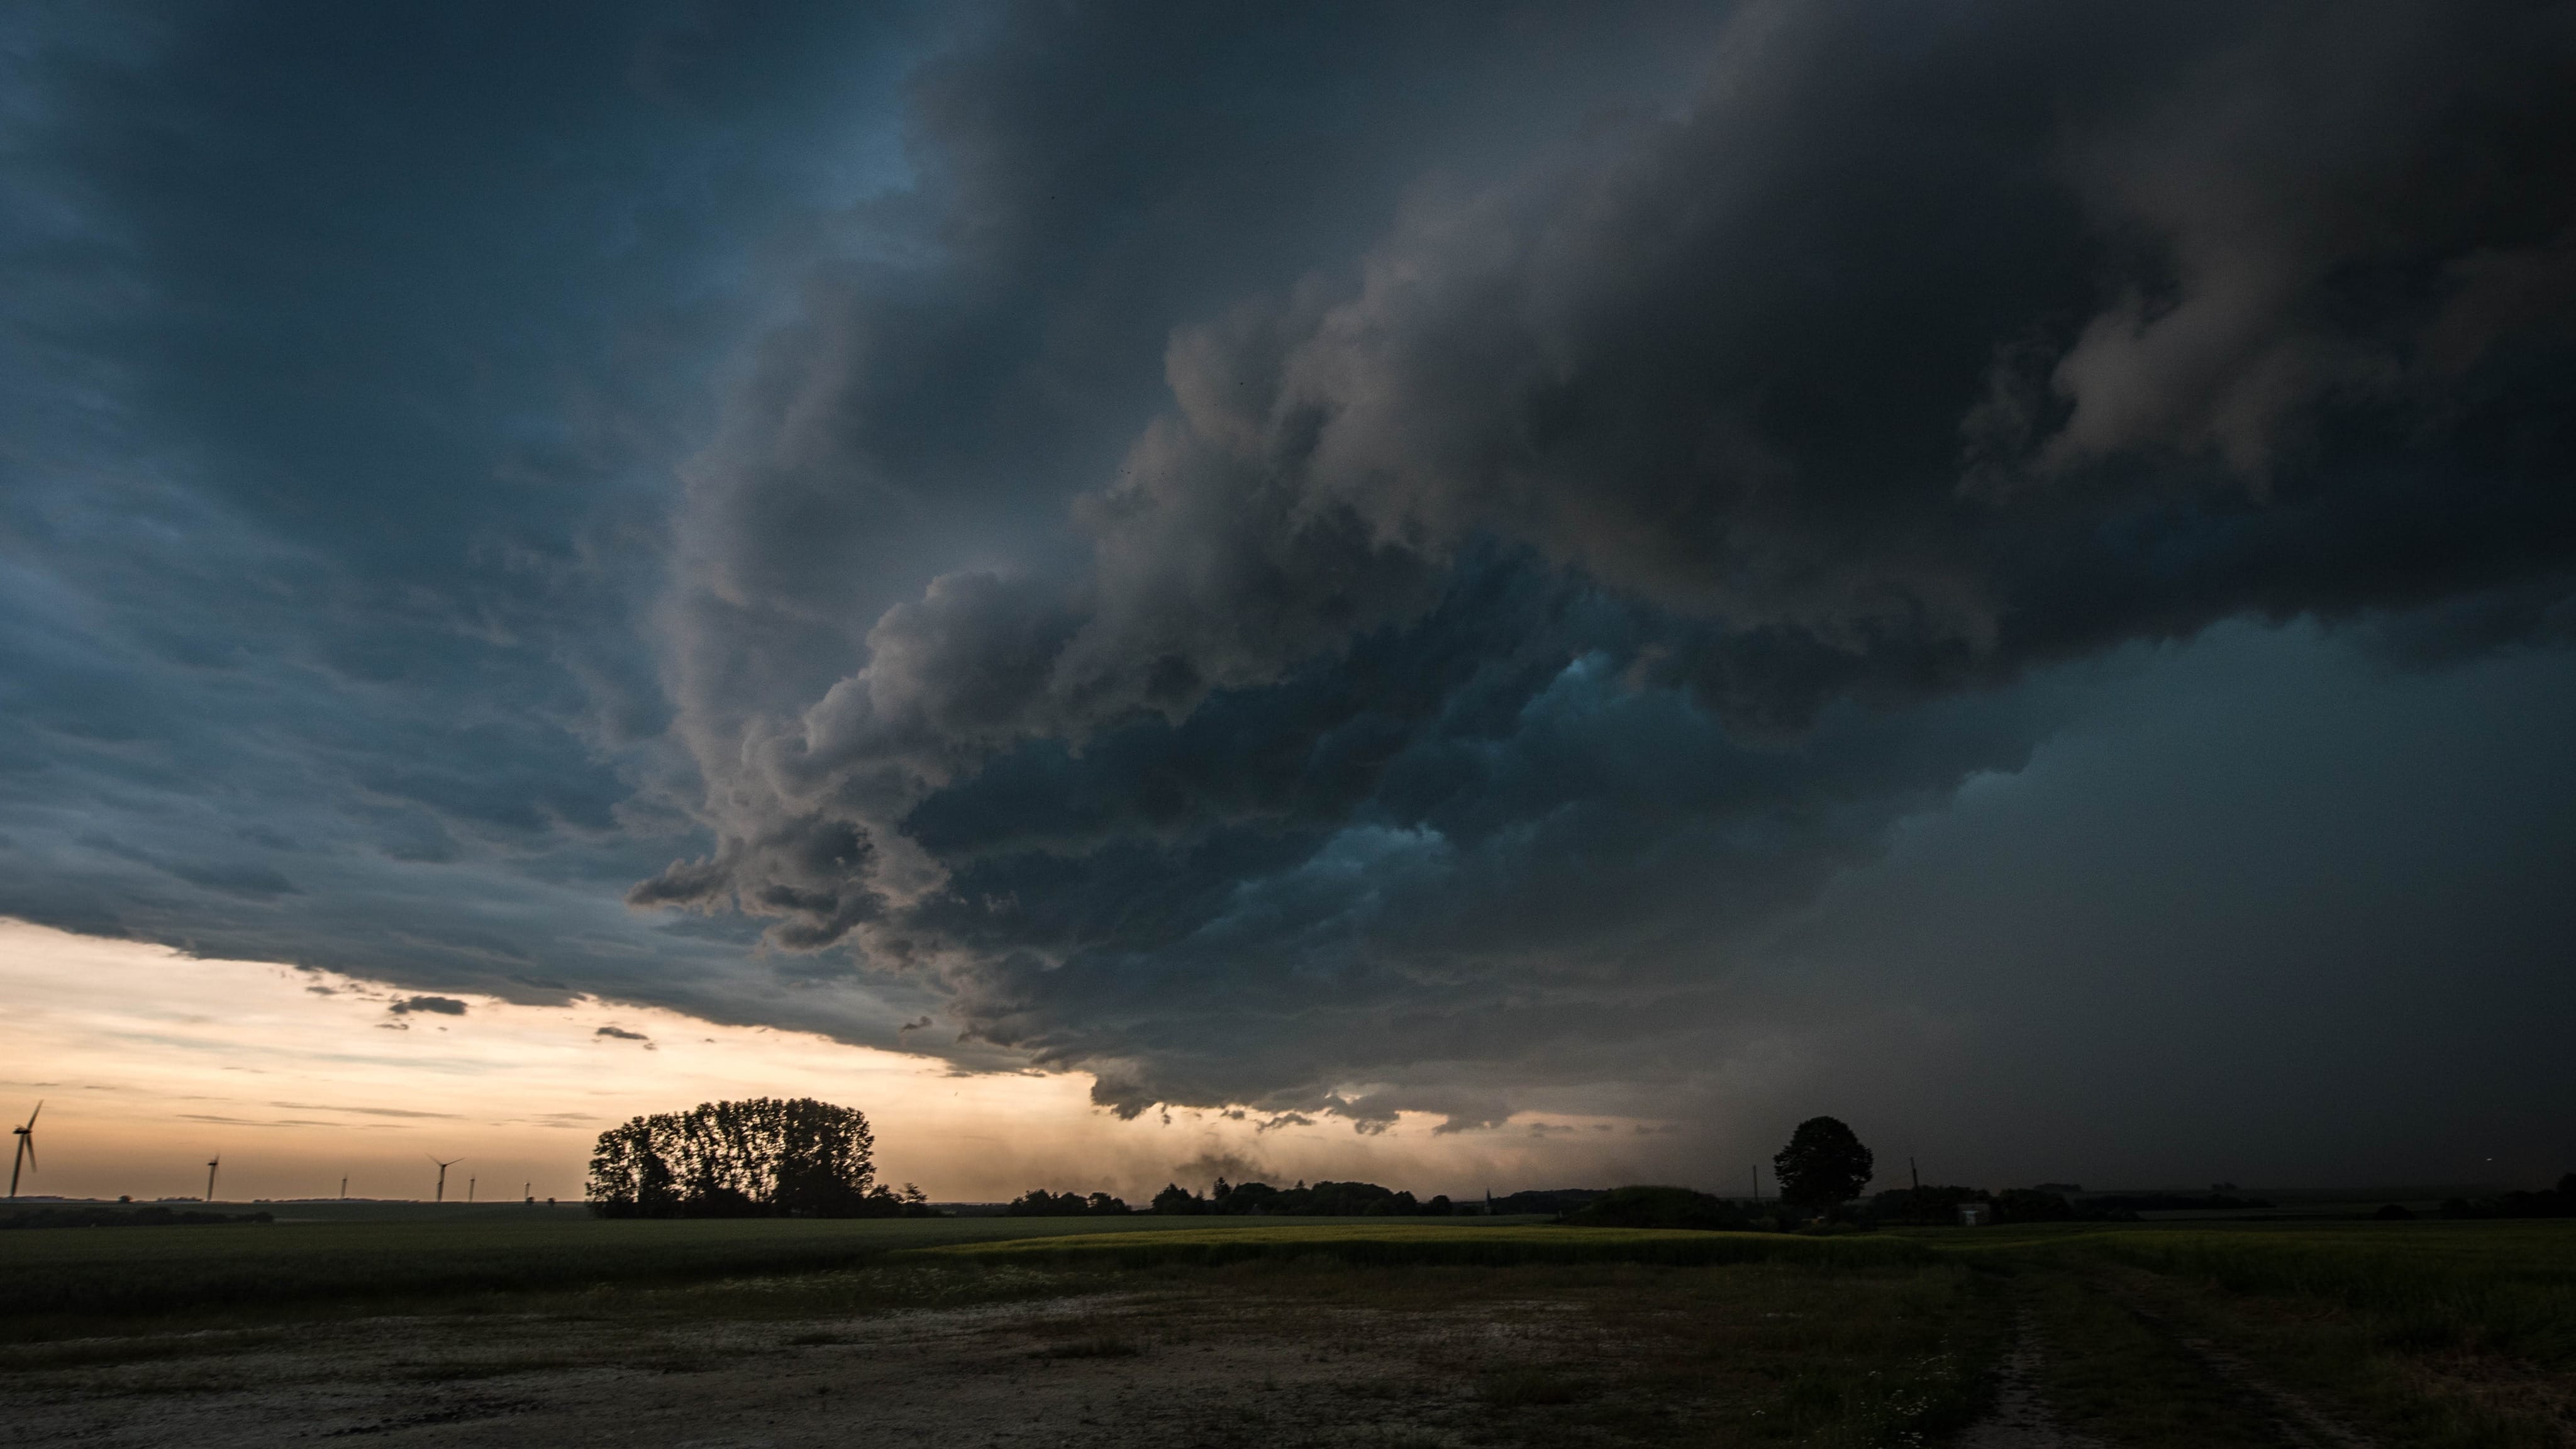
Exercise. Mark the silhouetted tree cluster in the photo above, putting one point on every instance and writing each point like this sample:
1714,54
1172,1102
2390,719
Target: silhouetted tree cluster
2030,1205
1930,1203
761,1158
2173,1202
1661,1207
1323,1200
1558,1200
1037,1202
1936,1204
2557,1202
108,1217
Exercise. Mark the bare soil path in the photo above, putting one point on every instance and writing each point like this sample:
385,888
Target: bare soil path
2022,1418
2294,1420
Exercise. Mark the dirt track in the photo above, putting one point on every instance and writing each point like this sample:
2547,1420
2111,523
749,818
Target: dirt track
2022,1417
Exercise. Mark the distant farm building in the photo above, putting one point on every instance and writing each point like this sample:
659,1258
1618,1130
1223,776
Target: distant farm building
1975,1214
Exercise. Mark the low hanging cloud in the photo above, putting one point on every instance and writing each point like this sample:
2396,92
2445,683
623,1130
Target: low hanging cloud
435,1005
1493,635
363,1111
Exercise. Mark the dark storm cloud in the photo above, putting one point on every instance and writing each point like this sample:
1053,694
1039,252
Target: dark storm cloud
1497,629
438,1005
345,354
1329,559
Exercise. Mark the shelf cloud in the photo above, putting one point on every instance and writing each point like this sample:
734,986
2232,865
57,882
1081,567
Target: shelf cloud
1332,564
1490,629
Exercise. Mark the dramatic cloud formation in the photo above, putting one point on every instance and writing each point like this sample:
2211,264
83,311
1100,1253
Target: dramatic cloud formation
1324,562
1492,630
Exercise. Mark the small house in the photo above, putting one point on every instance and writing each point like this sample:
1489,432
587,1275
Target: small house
1975,1214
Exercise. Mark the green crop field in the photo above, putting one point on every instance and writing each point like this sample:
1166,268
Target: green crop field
89,1272
1469,1243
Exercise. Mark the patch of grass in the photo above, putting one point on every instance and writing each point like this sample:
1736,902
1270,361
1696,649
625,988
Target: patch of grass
1519,1387
73,1281
459,1369
1638,1353
1384,1437
111,1352
1098,1345
2451,1335
2482,1287
2109,1375
1409,1245
1819,1345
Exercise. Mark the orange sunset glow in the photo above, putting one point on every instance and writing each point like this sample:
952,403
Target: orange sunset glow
151,1063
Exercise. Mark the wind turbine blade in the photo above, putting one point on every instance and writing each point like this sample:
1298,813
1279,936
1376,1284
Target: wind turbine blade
31,1150
32,1116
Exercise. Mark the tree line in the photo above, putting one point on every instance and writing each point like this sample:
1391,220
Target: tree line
1823,1166
763,1158
1243,1199
772,1157
768,1157
2557,1202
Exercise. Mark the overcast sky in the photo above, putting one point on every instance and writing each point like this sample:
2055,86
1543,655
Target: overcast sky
2003,570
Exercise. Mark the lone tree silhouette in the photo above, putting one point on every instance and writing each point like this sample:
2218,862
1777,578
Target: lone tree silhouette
1823,1166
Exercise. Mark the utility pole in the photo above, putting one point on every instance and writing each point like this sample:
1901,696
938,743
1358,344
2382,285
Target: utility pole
218,1161
344,1189
469,1189
1917,1174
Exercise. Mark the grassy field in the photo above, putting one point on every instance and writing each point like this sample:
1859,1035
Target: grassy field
1468,1243
2198,1336
1838,1343
2459,1335
52,1278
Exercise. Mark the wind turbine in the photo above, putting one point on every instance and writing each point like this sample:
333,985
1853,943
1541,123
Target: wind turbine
26,1151
442,1175
216,1161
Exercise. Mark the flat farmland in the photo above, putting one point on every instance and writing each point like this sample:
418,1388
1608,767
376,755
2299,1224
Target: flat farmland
84,1273
1467,1242
1186,1331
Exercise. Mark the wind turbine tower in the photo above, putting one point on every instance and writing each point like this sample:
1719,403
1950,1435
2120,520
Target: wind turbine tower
442,1176
212,1163
25,1153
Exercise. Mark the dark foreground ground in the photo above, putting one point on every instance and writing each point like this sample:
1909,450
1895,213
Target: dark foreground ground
2327,1334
